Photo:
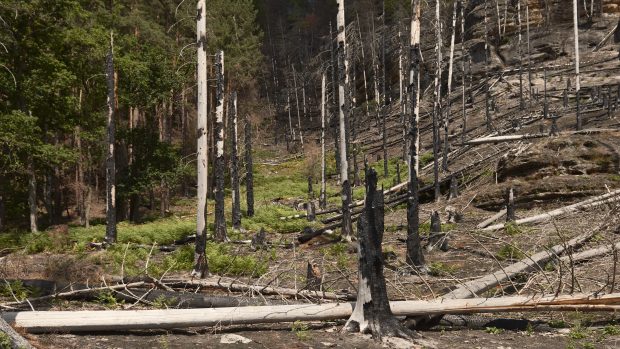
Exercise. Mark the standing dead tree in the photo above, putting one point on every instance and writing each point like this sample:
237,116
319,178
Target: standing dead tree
323,194
110,231
446,147
372,310
220,165
464,130
437,102
577,77
249,168
201,268
342,113
414,247
234,162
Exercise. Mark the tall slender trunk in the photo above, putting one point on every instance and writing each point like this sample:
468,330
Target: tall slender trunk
529,56
384,93
446,147
201,268
437,103
323,195
414,248
334,97
234,162
487,95
32,196
301,136
464,131
110,234
402,93
249,168
359,29
521,104
220,165
343,68
577,77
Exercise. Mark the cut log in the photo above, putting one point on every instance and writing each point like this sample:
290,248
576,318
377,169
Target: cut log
81,321
589,254
592,202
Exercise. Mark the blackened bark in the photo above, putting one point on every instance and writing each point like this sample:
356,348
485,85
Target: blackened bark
454,187
220,165
414,248
110,234
234,162
435,222
372,311
249,167
313,277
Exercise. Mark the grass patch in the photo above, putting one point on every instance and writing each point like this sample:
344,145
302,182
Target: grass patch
440,269
509,252
512,228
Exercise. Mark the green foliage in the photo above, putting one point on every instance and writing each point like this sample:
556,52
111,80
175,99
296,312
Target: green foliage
426,158
512,228
163,302
494,330
15,289
509,252
612,330
5,341
557,324
579,332
301,330
441,269
223,261
107,299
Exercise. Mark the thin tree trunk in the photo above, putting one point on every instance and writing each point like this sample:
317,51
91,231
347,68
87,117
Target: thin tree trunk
301,136
249,168
359,29
384,93
464,131
521,103
220,165
343,66
577,77
32,196
334,98
323,195
446,147
529,55
201,268
437,102
414,247
110,237
486,68
234,163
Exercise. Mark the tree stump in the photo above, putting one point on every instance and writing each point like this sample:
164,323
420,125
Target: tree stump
258,240
510,205
313,277
372,313
454,188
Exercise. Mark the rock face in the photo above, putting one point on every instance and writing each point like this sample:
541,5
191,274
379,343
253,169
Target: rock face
555,169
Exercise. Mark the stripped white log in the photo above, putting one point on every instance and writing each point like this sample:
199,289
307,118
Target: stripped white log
509,138
80,321
537,261
592,202
589,254
491,219
600,44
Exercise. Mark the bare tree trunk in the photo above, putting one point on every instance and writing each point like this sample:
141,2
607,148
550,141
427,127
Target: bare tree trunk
486,69
437,103
234,163
301,136
359,29
201,268
110,234
32,195
372,311
446,147
323,195
577,77
521,103
510,205
220,165
384,106
414,247
529,55
464,131
343,66
334,98
249,168
402,92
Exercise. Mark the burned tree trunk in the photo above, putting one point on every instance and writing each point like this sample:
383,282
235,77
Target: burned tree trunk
234,162
521,103
110,231
487,95
313,277
446,147
414,248
201,268
249,167
323,194
464,130
384,106
437,103
342,111
510,205
577,77
372,313
220,165
301,136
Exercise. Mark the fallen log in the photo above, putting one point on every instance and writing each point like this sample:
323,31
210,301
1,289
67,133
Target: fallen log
491,219
589,254
114,320
498,139
605,38
537,261
258,289
592,202
17,341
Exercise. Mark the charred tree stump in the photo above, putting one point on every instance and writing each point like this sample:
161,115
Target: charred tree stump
258,240
435,222
436,237
234,163
220,218
310,211
510,205
249,167
313,277
372,313
454,188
